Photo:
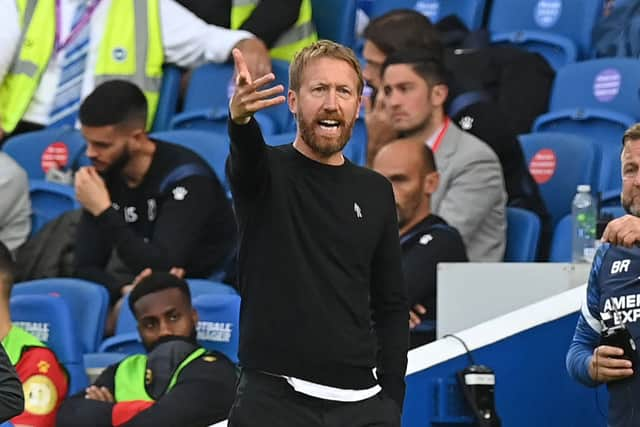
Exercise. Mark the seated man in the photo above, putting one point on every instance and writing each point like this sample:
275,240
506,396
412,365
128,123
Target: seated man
471,195
44,379
178,383
15,207
149,203
425,238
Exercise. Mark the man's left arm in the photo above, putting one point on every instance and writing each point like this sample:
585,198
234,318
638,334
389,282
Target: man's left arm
203,395
180,222
11,395
390,309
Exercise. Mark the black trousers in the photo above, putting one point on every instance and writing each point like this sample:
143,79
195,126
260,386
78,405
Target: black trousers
269,401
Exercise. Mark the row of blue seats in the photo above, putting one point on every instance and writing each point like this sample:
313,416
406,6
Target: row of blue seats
69,315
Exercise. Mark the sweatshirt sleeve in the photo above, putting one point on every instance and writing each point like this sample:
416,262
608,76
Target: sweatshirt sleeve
390,309
587,334
11,395
247,163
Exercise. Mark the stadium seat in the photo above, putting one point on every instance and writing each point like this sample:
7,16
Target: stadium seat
561,242
380,7
559,163
38,151
88,303
48,201
219,323
598,99
125,343
560,30
212,147
206,103
523,235
335,20
470,12
168,101
48,318
205,287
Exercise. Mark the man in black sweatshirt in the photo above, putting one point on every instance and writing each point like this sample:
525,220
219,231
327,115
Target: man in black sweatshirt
323,299
147,204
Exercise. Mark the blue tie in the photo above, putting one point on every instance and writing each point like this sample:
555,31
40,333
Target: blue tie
67,99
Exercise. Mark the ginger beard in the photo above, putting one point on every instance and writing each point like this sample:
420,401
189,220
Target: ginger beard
325,134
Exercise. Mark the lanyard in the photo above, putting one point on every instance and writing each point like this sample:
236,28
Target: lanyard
83,22
440,136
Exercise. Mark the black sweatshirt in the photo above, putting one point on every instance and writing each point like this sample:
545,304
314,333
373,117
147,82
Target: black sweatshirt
202,396
319,259
188,224
269,20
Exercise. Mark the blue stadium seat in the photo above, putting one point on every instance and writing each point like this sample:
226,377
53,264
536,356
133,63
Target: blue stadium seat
49,319
560,30
523,235
212,147
219,323
559,163
206,103
335,20
62,147
102,360
598,99
561,242
48,201
380,7
88,303
125,343
205,287
168,101
470,12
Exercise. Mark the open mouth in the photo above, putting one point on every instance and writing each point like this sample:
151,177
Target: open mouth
329,124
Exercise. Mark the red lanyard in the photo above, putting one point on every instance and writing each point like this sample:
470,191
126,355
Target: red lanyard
83,22
440,136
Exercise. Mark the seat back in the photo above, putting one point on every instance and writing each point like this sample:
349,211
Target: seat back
199,287
219,323
212,147
470,12
48,201
380,7
523,235
335,20
88,304
570,19
562,241
168,101
48,319
39,151
559,163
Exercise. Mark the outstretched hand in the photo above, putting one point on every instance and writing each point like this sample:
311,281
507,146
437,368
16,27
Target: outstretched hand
247,99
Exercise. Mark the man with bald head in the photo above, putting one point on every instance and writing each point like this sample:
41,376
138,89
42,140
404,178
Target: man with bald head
425,238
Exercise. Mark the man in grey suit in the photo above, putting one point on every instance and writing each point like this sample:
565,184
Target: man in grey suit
471,196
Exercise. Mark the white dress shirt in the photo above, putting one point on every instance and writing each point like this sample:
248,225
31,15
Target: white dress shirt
187,42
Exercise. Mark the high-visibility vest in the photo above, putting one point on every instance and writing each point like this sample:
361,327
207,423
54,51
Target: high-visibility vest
131,377
16,341
131,49
303,33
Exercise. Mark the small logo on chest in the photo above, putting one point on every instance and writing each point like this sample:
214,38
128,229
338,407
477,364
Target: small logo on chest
358,210
621,266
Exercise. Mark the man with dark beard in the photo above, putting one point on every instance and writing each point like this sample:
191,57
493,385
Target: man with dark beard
147,204
323,300
178,383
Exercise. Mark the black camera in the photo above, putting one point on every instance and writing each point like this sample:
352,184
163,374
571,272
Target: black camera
619,336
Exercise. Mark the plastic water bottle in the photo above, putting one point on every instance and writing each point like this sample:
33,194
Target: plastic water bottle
584,216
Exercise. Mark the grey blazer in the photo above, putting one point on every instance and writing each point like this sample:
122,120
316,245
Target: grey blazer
471,196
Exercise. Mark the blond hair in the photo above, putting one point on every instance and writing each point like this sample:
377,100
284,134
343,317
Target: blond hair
322,49
631,134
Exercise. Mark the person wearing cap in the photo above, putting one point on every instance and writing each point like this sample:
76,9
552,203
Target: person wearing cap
177,383
471,195
425,238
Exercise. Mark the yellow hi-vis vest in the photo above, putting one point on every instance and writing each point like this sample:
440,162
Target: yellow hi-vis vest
131,49
131,376
303,33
